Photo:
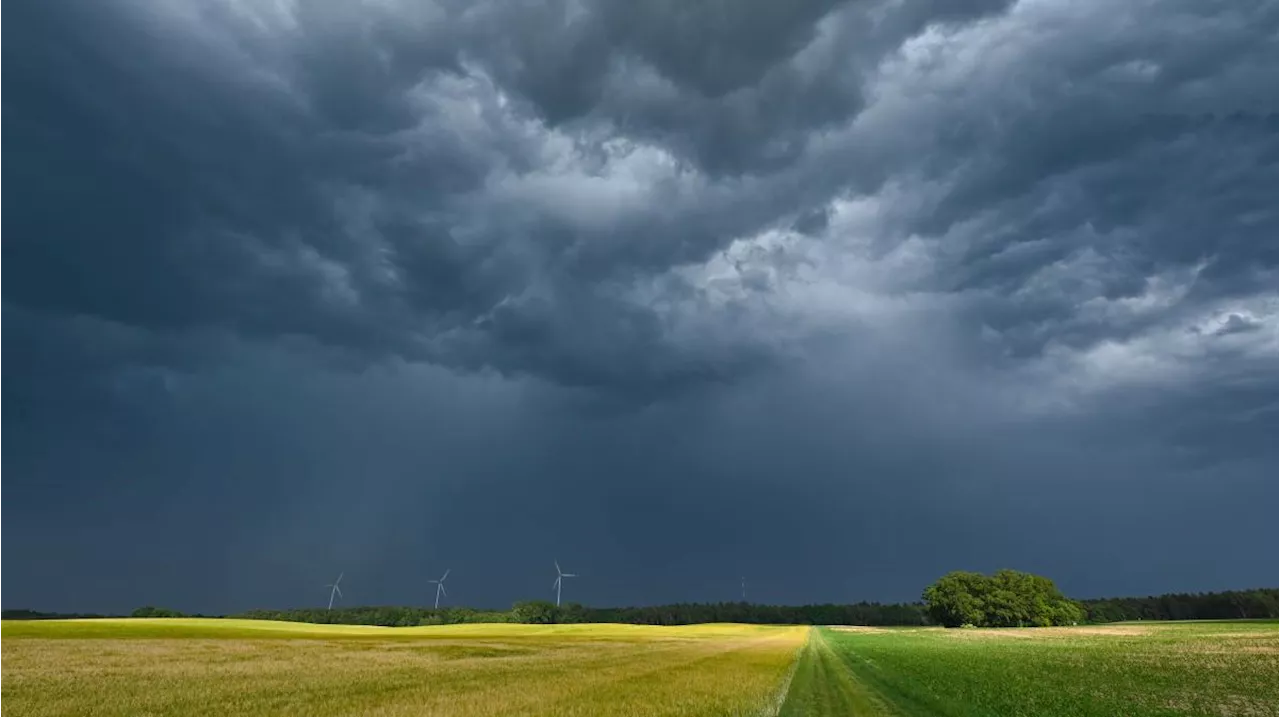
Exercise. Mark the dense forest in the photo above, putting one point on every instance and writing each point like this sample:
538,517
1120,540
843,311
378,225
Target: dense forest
1259,603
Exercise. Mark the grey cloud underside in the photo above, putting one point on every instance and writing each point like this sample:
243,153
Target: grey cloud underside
204,199
339,174
734,89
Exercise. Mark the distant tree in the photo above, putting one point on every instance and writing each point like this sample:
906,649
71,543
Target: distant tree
149,611
1006,599
535,612
573,613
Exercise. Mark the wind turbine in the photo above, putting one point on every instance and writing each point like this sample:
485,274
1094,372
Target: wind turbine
440,587
744,590
336,590
560,576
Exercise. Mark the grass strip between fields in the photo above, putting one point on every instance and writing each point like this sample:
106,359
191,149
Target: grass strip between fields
823,684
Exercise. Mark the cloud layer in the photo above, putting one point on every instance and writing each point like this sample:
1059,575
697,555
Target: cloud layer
970,260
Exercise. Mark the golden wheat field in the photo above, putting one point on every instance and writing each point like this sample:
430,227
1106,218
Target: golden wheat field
218,667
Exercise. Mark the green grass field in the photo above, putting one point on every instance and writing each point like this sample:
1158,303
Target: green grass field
208,667
1205,668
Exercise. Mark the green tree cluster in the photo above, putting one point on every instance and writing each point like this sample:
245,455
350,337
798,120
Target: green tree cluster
1006,599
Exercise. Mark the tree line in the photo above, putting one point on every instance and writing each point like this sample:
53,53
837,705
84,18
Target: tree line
1040,605
387,615
24,614
863,613
1006,610
1231,604
544,612
1008,598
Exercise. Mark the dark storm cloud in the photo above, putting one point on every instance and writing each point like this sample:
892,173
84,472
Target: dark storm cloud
235,151
733,88
1111,166
529,272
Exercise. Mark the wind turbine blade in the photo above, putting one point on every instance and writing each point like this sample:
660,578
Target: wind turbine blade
338,590
446,592
558,570
446,574
569,575
556,583
339,578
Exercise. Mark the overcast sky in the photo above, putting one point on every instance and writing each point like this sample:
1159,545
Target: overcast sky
834,296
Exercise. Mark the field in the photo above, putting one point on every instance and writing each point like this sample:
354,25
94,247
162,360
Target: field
208,667
1210,668
223,667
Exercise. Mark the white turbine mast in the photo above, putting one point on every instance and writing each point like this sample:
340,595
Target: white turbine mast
335,590
560,576
440,587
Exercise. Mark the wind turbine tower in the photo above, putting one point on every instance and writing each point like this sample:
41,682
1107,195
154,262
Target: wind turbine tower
440,588
560,576
335,589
